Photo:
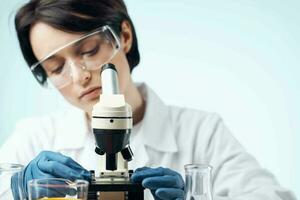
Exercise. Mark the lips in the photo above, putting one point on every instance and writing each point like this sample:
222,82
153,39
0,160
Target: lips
90,93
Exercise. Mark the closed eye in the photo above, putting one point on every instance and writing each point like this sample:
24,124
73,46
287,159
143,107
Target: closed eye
57,70
90,52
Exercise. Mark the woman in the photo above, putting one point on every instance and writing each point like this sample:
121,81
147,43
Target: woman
65,43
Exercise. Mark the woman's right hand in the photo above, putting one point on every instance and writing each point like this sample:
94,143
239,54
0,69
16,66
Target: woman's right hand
50,165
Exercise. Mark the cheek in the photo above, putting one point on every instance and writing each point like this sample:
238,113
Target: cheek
68,94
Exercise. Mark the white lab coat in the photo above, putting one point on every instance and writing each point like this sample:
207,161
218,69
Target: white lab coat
167,136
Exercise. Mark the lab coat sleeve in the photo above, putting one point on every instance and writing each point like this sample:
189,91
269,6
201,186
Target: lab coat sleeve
28,139
16,149
236,174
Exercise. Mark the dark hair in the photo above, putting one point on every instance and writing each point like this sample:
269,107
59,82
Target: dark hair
72,16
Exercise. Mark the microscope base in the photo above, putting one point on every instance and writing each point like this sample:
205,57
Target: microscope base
126,190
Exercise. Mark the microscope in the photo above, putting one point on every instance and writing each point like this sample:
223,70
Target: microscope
112,124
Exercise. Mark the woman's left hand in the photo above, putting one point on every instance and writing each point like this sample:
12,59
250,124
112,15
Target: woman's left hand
164,183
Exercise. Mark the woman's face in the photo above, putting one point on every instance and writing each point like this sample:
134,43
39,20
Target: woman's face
84,89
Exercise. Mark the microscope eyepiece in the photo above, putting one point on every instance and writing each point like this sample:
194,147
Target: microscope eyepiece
108,66
109,79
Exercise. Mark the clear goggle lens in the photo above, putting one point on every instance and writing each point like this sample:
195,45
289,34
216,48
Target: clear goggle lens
91,52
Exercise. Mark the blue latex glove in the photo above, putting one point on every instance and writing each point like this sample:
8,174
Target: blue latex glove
164,183
49,165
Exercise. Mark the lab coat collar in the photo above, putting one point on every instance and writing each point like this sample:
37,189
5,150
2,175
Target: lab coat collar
157,127
72,130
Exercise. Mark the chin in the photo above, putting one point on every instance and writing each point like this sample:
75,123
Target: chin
88,106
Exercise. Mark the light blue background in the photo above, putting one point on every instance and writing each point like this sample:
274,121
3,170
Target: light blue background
238,58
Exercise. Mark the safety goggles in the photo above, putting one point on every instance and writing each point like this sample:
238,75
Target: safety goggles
89,52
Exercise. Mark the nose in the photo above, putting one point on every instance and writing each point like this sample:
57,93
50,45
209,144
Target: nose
79,73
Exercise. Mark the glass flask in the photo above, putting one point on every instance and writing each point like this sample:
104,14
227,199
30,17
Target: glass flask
7,170
57,189
198,182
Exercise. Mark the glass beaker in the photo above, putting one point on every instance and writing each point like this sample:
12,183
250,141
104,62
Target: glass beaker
57,189
7,170
198,182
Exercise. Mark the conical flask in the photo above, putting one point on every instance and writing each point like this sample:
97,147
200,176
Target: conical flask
198,182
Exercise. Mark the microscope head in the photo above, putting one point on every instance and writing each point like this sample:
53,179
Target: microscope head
112,120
